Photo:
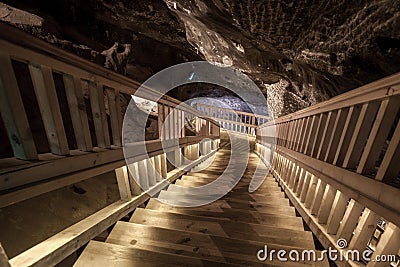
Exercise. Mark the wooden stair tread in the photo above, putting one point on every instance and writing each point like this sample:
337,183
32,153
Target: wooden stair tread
190,178
128,234
108,254
226,228
236,205
275,200
238,189
245,205
283,221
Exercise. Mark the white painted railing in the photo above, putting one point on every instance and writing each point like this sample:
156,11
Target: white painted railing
338,162
28,173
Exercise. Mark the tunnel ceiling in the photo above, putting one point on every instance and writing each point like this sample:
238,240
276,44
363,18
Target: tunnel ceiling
298,52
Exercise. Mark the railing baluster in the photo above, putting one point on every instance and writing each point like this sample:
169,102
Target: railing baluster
360,134
299,186
120,113
327,132
163,165
326,204
171,122
390,167
157,166
99,115
313,134
319,193
166,123
13,113
346,135
363,232
305,134
310,195
306,185
123,183
303,122
294,177
350,220
334,136
337,212
379,132
46,95
318,134
133,178
112,107
143,175
160,121
151,178
77,109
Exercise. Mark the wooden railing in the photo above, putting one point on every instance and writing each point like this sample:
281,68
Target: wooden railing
71,92
234,120
338,162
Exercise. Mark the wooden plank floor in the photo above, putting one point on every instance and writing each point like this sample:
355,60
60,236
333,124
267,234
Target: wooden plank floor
227,232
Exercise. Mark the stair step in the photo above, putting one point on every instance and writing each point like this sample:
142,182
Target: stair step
261,207
226,228
207,179
276,200
107,254
238,188
128,234
198,177
275,191
246,216
246,206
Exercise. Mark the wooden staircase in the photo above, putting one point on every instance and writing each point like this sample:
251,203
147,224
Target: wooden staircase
227,232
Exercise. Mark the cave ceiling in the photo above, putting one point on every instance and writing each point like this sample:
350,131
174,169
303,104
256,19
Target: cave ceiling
297,52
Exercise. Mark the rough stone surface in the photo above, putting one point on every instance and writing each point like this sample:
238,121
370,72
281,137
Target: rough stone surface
307,50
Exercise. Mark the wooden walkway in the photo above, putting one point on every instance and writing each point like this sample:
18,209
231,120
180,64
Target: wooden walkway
227,232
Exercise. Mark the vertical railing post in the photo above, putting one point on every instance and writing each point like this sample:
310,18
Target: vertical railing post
337,212
319,193
46,95
99,115
349,220
363,232
160,121
326,205
77,109
112,107
123,183
13,113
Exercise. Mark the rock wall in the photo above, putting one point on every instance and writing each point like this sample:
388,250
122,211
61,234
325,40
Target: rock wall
318,48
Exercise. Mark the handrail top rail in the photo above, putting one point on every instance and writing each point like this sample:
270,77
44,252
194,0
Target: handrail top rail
385,87
25,47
